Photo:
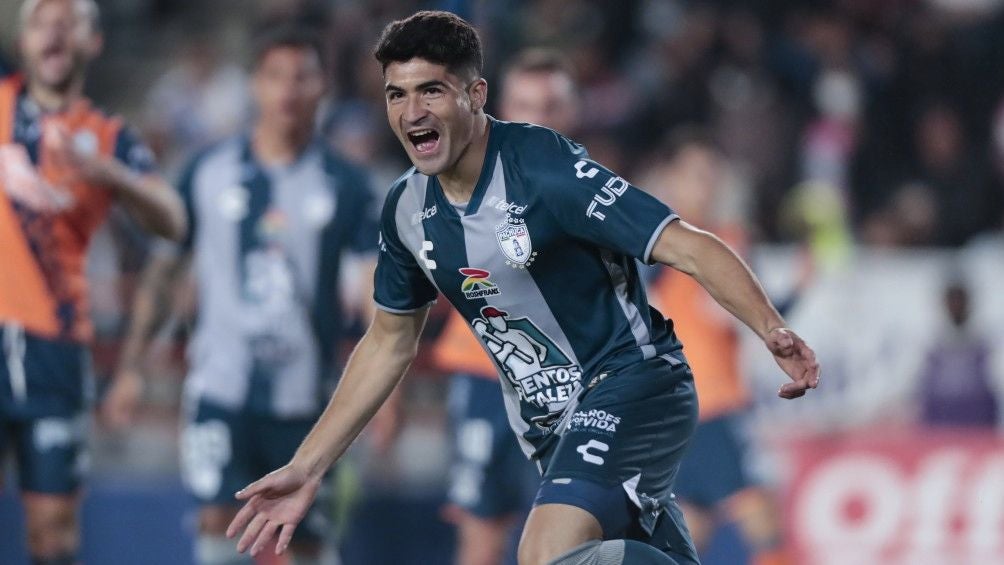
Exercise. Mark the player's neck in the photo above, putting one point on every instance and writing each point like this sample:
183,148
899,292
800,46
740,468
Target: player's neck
51,99
459,181
276,147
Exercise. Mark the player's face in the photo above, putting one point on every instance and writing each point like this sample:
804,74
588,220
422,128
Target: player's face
57,41
433,112
543,98
288,87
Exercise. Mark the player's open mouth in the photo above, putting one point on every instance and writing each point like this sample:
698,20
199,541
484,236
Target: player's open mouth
53,51
424,140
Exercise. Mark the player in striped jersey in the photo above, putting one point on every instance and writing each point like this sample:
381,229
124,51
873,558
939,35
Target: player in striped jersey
272,212
63,163
595,383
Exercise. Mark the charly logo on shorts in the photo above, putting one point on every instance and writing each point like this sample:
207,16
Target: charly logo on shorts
477,284
594,420
514,241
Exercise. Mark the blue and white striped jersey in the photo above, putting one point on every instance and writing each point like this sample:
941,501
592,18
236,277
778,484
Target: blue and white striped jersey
267,246
540,262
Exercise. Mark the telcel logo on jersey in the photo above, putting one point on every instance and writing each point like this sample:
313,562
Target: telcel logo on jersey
507,207
477,284
417,217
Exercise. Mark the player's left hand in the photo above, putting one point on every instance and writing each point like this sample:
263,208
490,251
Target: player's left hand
276,502
119,404
796,359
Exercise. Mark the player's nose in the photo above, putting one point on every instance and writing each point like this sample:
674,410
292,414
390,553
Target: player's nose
414,110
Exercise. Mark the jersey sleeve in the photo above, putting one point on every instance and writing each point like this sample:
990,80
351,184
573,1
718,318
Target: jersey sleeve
400,286
591,202
135,154
365,236
186,190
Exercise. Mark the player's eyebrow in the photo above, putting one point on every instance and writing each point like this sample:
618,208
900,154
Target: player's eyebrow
420,86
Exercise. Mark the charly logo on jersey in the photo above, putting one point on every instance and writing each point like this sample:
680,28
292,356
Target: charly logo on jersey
478,283
541,373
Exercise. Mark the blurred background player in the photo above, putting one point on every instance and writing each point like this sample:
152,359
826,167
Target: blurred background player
491,482
63,163
271,212
714,485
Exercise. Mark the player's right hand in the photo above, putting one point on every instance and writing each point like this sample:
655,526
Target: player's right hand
276,502
796,359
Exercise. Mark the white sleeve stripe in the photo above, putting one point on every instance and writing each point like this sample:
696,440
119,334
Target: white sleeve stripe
647,257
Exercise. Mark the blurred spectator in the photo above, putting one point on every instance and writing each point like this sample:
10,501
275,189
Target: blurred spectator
63,165
199,100
909,219
714,484
272,211
957,385
945,161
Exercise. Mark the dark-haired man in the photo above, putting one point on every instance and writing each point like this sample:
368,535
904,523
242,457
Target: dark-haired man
604,402
271,213
63,164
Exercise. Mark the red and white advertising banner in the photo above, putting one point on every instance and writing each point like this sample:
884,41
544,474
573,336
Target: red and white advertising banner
896,498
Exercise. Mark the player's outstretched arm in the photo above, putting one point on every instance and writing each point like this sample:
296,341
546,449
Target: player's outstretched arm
278,501
150,309
730,282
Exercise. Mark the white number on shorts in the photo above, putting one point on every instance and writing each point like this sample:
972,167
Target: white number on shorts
205,450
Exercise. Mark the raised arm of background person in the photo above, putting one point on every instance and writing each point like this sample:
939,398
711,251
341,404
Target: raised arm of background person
731,283
150,308
147,197
278,501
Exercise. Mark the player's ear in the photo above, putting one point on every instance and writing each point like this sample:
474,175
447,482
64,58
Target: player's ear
479,94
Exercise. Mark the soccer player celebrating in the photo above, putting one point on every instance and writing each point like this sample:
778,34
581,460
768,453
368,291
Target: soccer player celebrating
491,481
271,213
63,163
608,404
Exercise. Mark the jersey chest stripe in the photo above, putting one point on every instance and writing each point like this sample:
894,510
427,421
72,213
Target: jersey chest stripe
639,328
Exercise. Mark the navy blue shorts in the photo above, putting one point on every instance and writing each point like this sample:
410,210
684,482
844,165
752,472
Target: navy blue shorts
620,451
490,477
714,467
223,450
43,416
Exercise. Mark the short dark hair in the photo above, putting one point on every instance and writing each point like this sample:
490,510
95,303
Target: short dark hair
538,60
290,35
438,37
